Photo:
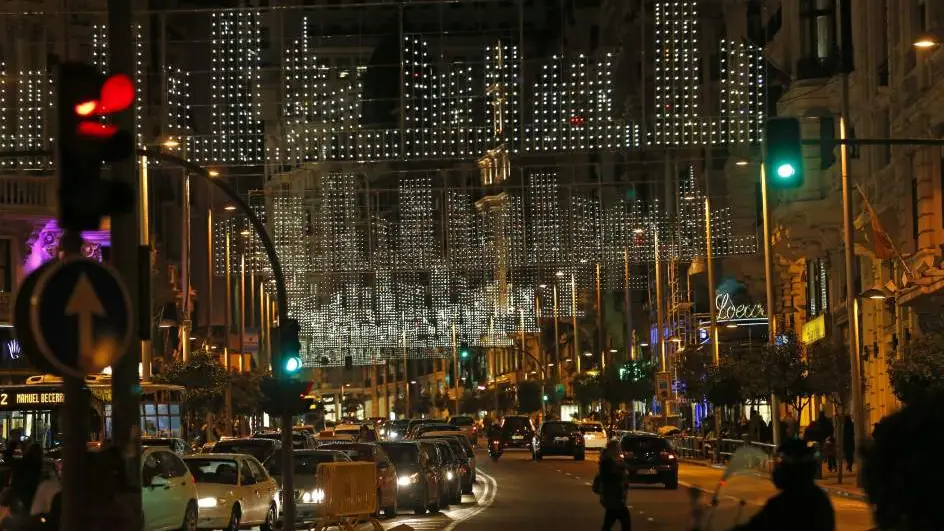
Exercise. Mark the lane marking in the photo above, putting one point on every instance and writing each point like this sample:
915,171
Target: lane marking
484,502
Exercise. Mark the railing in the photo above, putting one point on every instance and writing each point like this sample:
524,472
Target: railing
20,194
703,448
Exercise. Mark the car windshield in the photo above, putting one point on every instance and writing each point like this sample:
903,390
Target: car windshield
304,464
404,454
258,450
461,421
591,428
222,471
559,428
642,445
436,427
356,452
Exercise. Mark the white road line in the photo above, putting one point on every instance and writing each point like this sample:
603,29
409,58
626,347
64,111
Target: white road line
484,502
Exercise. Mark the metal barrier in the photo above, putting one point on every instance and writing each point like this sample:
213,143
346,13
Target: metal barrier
703,448
350,495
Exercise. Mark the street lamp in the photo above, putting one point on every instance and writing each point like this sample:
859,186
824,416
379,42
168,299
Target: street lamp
170,143
229,208
876,294
214,173
926,41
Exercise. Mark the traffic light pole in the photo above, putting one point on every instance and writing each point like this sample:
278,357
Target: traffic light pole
132,261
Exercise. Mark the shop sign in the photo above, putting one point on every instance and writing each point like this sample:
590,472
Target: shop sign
814,330
728,311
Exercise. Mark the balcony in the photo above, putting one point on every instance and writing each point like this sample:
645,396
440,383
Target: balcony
27,197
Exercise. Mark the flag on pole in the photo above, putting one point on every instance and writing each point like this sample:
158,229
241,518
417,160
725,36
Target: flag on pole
884,246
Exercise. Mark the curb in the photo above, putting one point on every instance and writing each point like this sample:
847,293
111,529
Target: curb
836,491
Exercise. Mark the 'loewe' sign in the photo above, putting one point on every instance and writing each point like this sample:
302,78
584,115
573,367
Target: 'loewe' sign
728,311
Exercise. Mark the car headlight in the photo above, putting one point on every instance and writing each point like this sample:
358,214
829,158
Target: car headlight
449,476
313,496
405,481
393,435
209,503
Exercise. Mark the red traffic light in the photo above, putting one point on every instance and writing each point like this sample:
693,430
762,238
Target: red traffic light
97,130
116,94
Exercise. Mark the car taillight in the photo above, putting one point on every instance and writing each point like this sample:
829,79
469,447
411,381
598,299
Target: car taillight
627,454
667,456
578,438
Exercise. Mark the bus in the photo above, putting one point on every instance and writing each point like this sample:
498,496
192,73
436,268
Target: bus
35,409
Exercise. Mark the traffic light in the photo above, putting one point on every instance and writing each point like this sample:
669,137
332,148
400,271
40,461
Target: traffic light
464,351
85,141
291,396
290,347
784,160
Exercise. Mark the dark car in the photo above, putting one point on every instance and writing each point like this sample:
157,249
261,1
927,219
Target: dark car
452,463
394,430
261,449
415,423
464,451
417,477
467,424
427,428
308,497
517,431
557,437
650,459
301,440
386,474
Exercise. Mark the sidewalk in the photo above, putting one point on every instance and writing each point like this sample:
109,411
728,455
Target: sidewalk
829,482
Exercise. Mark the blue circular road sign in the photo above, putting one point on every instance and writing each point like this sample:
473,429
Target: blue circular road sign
80,316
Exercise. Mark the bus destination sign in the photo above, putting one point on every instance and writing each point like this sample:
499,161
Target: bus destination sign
22,399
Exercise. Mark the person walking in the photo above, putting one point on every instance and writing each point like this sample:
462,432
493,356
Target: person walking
612,484
848,442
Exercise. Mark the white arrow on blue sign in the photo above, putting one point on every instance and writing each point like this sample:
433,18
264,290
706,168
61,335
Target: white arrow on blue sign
80,316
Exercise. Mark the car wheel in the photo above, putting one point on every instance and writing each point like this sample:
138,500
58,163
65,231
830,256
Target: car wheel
234,518
420,509
190,518
456,498
269,523
444,498
434,507
672,484
579,457
467,488
390,511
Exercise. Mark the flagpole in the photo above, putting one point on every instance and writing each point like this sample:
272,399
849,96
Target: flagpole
878,223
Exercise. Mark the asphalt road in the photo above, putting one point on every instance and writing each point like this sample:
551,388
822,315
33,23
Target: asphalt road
555,494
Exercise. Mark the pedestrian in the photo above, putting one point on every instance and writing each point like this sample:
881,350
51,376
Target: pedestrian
848,442
829,452
612,484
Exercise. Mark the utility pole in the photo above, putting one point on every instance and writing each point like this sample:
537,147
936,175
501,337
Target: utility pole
660,320
712,303
573,314
769,281
601,336
455,363
186,324
132,260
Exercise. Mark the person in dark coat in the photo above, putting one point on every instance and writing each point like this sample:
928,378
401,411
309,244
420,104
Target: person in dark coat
27,475
613,479
848,442
794,475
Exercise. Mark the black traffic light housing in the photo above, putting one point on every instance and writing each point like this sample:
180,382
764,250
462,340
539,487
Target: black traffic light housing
290,347
784,157
84,142
285,396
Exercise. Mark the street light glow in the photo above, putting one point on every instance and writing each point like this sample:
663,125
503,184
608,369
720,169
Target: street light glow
229,208
926,41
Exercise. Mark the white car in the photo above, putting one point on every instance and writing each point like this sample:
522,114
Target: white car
168,493
233,491
594,435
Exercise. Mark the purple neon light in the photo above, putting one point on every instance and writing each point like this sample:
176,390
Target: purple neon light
44,245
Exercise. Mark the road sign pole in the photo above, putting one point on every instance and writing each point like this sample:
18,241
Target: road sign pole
127,257
76,407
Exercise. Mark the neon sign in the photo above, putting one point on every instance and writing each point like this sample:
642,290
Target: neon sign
728,311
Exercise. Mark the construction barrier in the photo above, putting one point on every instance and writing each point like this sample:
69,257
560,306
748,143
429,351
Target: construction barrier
350,495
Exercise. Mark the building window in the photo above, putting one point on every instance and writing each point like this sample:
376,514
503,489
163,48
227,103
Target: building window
817,284
6,265
818,20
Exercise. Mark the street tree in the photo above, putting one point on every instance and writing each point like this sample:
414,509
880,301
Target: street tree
830,376
692,368
246,393
204,381
587,390
723,384
919,372
786,372
530,396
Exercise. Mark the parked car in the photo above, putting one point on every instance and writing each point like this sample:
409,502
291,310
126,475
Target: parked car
594,435
386,474
301,440
415,423
426,428
417,475
466,423
233,490
261,449
517,431
462,448
557,437
308,497
168,491
178,446
393,430
650,458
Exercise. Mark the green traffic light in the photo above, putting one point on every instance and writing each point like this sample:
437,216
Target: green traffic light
464,354
292,364
546,398
786,171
